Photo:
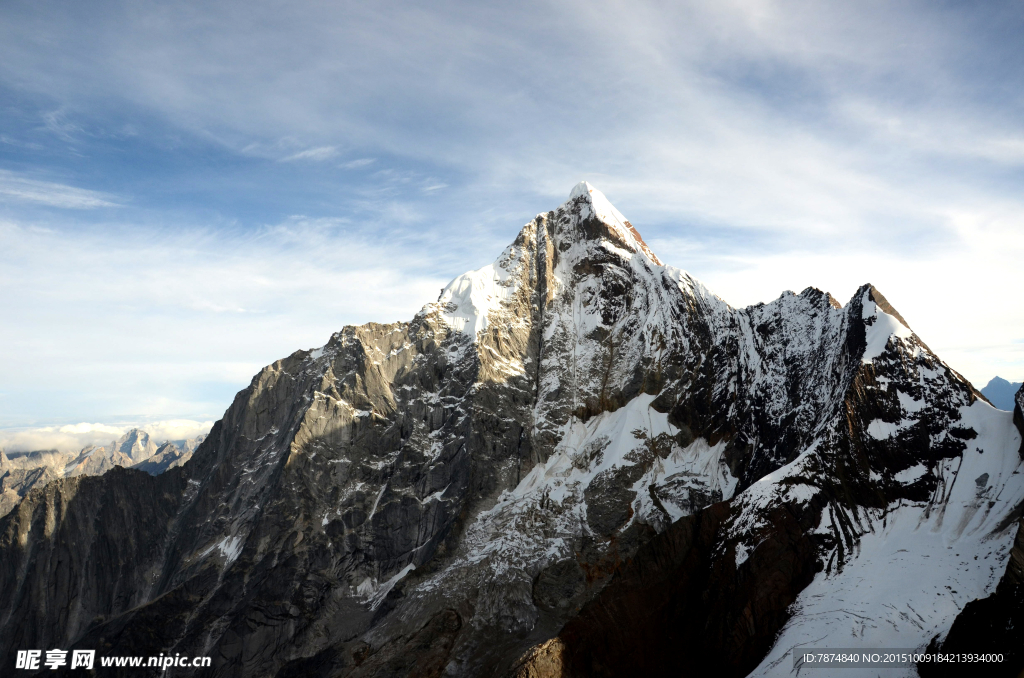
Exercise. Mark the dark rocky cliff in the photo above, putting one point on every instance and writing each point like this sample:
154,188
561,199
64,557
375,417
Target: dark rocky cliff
576,455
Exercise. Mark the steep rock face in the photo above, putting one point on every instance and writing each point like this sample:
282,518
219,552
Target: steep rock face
16,482
1018,416
869,513
49,459
917,480
525,464
81,549
23,471
678,609
172,454
133,447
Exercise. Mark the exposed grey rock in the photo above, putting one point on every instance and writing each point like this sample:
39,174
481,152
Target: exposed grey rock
136,444
1018,416
94,461
135,448
170,455
15,483
442,495
22,471
50,459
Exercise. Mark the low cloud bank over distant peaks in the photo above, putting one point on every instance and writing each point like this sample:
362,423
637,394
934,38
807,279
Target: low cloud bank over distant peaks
73,437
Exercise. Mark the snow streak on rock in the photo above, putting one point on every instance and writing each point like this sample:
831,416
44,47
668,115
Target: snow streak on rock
443,494
914,564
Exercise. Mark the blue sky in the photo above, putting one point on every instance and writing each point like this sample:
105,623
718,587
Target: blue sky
190,191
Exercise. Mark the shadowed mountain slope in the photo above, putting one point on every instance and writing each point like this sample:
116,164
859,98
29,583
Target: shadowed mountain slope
575,457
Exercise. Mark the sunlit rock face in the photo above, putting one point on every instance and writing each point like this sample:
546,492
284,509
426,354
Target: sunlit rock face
578,461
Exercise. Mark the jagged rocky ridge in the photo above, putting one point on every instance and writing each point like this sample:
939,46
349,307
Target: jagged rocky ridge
21,472
578,460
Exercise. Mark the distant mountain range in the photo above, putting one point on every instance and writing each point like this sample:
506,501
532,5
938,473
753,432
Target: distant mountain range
22,471
1001,393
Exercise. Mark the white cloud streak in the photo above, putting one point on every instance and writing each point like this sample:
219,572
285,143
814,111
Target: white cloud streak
314,154
171,324
21,189
761,145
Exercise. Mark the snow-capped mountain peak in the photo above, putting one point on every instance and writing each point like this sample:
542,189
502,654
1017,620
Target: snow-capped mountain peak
585,221
594,205
575,446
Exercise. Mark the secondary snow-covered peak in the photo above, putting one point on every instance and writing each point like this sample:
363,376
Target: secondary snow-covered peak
592,203
470,298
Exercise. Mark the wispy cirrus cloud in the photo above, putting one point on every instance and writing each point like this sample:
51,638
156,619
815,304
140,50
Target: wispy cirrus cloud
132,324
16,188
762,145
315,154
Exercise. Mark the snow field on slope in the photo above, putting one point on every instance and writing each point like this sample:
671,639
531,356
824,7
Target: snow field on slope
374,593
607,440
784,484
587,450
474,295
535,524
468,300
698,467
598,206
879,332
921,563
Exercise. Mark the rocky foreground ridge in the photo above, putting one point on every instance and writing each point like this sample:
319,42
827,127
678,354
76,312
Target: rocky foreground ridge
577,462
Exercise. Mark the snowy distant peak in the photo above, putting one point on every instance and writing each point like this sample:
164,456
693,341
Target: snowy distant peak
584,190
136,445
593,204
